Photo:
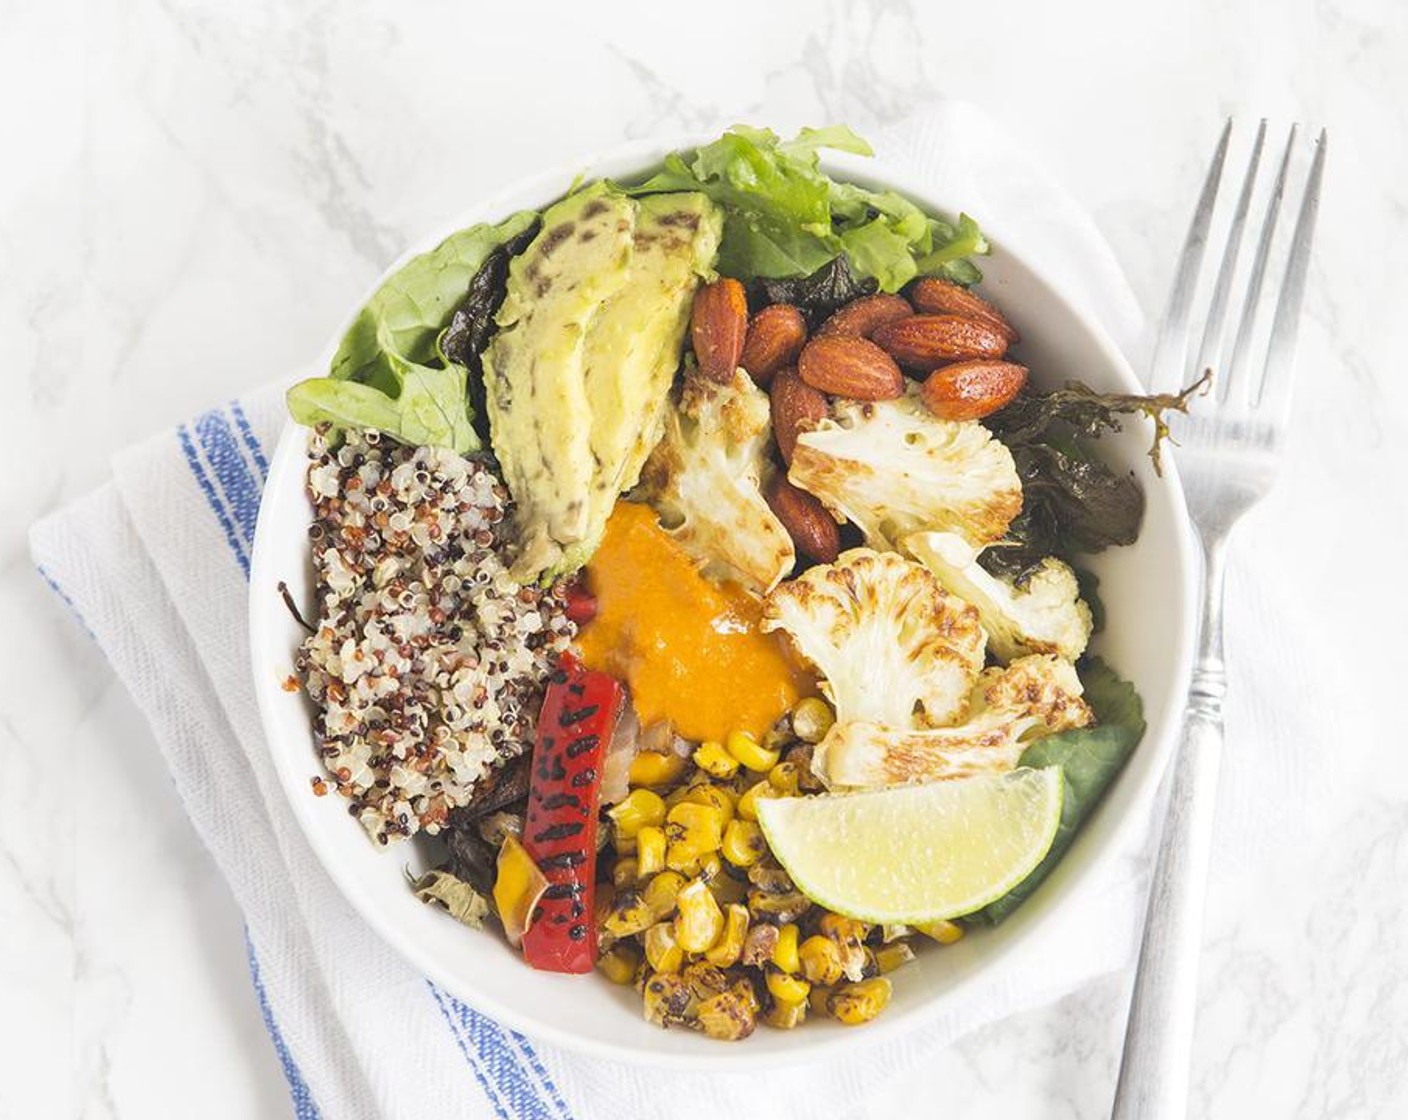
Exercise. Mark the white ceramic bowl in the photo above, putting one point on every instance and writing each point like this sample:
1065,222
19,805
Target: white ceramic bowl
1148,592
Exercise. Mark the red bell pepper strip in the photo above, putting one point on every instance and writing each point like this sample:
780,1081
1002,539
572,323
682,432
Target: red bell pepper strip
580,710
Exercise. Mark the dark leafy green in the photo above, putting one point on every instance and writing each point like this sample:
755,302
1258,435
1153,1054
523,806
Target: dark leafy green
817,295
472,325
390,371
1071,501
787,219
1079,410
1089,759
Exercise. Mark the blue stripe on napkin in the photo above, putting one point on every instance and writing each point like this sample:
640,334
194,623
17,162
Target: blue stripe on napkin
304,1107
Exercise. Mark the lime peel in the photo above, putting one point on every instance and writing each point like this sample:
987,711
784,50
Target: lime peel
920,853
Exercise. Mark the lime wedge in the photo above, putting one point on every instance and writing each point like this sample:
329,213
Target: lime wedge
916,854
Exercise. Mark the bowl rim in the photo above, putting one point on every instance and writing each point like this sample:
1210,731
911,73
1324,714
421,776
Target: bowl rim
549,184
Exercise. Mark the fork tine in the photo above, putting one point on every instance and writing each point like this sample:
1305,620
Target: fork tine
1210,350
1274,394
1166,370
1236,369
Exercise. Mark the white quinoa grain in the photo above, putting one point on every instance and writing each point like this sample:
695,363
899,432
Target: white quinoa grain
428,662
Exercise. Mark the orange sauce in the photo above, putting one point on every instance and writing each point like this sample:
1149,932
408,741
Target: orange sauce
690,649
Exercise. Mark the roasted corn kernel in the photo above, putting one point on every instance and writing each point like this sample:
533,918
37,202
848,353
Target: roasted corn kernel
637,809
945,933
745,747
818,1000
715,761
792,989
699,921
784,778
629,914
784,953
747,992
812,719
727,1016
650,851
890,957
662,948
704,979
692,830
650,768
859,1003
667,999
843,928
743,843
619,963
660,893
720,797
759,944
710,867
748,803
726,950
849,936
785,907
821,960
625,873
783,1015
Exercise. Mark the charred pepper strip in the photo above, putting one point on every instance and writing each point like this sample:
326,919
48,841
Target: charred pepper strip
579,714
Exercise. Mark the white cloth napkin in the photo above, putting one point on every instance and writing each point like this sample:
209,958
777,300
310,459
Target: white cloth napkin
155,565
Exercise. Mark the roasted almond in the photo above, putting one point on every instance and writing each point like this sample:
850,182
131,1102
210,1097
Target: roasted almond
972,390
775,337
863,316
849,366
932,296
813,530
796,408
925,341
718,325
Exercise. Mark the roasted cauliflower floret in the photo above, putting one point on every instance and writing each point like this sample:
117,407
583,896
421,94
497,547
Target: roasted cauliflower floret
1033,696
894,468
1043,685
862,755
705,478
893,646
1046,616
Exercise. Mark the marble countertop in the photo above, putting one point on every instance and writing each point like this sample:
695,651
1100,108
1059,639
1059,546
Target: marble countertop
195,192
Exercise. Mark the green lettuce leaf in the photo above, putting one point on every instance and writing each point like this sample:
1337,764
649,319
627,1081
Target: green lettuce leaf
1089,758
390,371
787,219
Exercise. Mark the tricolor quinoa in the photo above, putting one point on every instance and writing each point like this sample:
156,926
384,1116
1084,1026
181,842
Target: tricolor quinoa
427,662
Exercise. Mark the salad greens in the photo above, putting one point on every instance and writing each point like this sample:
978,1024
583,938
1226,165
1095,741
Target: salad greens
390,371
1089,758
1071,501
787,218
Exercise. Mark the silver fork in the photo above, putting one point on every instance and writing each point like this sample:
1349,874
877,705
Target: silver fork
1227,450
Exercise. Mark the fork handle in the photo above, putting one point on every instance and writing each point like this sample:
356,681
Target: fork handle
1155,1066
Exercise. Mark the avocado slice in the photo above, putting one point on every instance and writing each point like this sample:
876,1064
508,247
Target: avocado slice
633,345
578,376
535,386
